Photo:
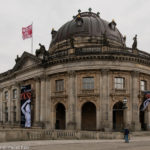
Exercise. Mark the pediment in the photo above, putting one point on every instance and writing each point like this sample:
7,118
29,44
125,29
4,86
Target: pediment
27,60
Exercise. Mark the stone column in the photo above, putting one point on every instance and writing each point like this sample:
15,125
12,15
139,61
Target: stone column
106,122
71,100
48,103
78,119
98,118
18,104
42,102
135,101
37,100
9,105
1,112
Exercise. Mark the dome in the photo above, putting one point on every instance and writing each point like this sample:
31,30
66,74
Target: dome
87,24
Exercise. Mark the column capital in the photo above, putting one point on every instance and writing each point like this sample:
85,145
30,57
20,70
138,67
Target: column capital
37,78
135,73
43,77
104,71
71,73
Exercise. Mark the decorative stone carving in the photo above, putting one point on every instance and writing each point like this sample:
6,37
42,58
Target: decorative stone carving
134,45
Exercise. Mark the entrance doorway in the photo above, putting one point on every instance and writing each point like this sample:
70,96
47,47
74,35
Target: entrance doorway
118,116
88,116
142,119
60,116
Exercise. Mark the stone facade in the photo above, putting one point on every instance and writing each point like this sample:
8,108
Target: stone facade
116,74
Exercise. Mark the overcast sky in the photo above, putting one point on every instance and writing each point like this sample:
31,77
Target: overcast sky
132,17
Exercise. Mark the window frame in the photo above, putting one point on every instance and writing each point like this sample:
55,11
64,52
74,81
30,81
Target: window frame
6,95
59,85
119,85
14,93
88,85
144,85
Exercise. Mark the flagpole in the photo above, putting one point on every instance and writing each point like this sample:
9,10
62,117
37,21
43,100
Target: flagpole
32,40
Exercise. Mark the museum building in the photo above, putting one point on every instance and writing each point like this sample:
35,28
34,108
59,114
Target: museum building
87,80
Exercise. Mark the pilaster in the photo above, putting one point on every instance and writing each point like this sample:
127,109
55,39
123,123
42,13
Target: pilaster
71,124
135,101
42,102
37,99
1,112
106,122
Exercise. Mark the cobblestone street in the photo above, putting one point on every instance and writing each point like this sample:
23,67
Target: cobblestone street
138,143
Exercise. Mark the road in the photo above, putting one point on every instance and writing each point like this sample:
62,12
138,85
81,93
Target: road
138,143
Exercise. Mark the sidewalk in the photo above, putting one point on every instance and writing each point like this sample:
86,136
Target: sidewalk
62,142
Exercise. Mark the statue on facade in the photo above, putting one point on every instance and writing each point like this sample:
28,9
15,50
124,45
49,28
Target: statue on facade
17,59
134,45
40,50
42,47
124,41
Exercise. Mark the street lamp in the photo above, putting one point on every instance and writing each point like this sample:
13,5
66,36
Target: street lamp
125,103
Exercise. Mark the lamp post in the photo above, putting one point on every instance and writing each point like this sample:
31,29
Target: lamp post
125,103
125,111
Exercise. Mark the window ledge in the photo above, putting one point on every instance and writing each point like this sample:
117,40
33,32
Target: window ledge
120,90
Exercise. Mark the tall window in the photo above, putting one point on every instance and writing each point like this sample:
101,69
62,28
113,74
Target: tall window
14,93
119,83
143,85
88,83
6,114
6,95
59,85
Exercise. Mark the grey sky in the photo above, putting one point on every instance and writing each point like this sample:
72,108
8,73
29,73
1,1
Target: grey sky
132,17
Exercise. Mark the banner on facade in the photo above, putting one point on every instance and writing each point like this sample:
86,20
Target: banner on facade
26,106
146,100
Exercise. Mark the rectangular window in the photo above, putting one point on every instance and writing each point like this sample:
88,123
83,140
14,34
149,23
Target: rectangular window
88,83
59,85
119,83
6,114
143,85
6,95
14,93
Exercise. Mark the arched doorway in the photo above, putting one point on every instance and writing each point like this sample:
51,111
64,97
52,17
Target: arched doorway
142,119
88,116
118,116
60,116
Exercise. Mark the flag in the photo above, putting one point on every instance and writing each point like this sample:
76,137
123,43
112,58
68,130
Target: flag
27,32
146,101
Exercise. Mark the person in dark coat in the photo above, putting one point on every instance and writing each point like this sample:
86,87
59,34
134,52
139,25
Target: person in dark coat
126,135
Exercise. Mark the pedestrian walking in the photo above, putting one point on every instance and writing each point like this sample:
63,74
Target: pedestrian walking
126,135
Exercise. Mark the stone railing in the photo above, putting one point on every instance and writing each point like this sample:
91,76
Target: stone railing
73,134
44,134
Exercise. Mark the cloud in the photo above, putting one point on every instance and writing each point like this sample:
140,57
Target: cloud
132,18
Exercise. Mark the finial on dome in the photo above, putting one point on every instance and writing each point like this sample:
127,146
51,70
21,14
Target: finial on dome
79,11
53,32
98,13
124,40
90,9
